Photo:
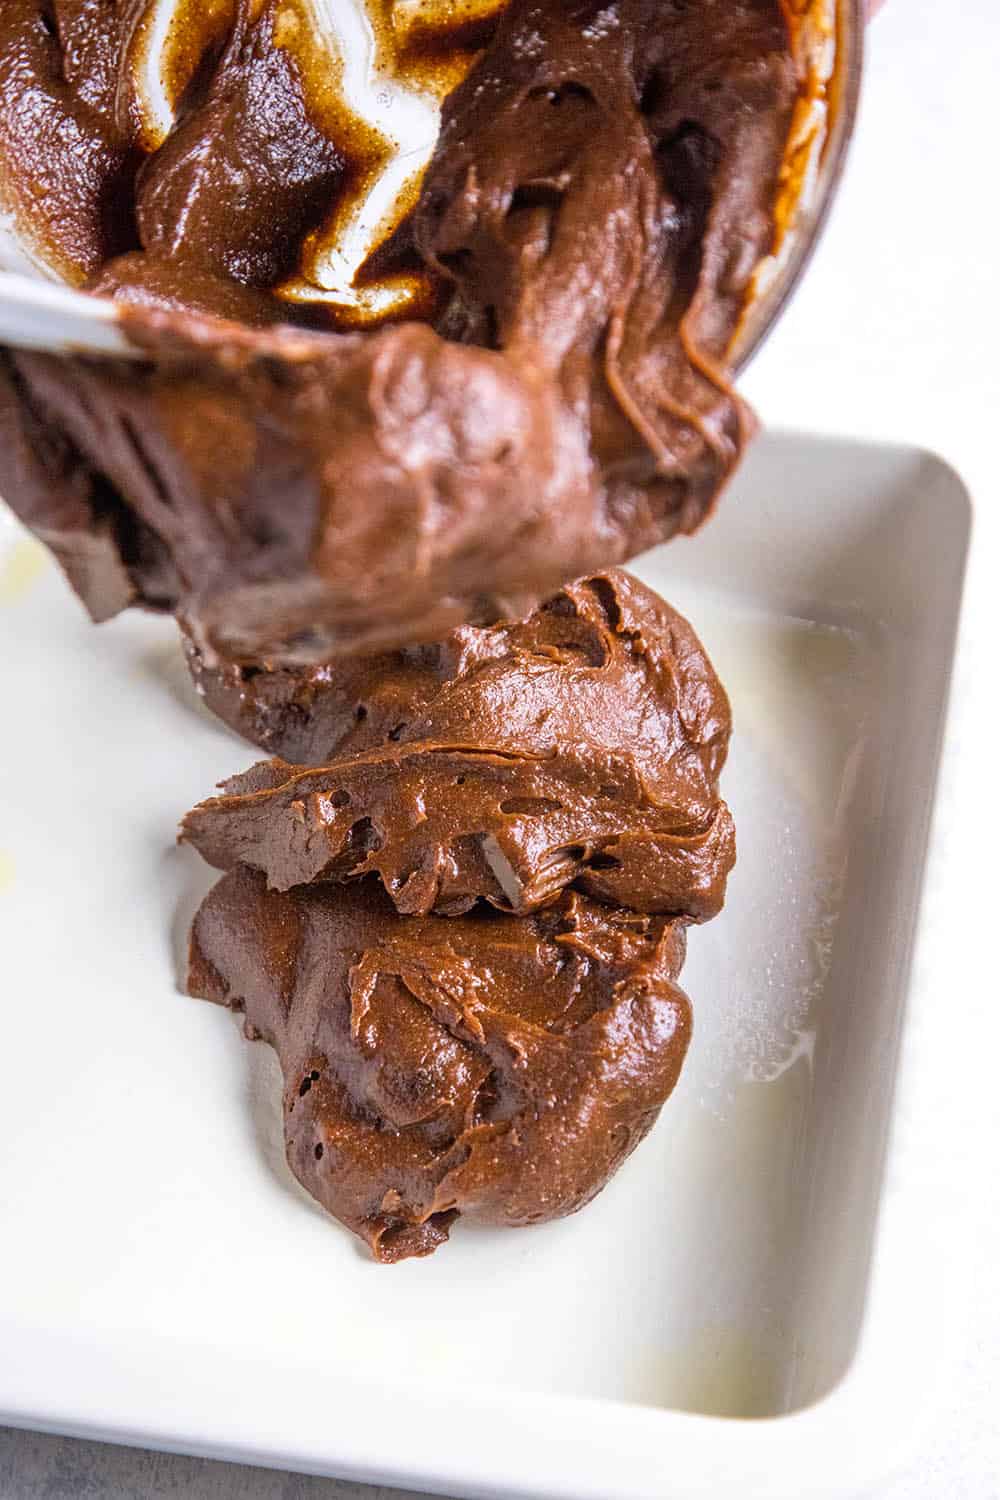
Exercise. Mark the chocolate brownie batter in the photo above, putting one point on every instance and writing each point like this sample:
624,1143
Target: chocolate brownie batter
463,935
581,746
585,237
461,925
496,1067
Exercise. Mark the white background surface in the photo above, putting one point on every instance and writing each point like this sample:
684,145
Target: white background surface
895,334
892,336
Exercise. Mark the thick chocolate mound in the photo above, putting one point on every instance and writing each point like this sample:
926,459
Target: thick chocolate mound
579,746
496,1067
600,195
463,935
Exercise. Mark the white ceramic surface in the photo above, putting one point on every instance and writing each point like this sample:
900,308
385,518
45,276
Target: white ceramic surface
894,335
162,1278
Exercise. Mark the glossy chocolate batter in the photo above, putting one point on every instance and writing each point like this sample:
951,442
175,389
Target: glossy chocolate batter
496,1067
586,234
463,935
580,746
461,924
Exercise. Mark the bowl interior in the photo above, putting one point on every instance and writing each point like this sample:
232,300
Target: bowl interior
828,35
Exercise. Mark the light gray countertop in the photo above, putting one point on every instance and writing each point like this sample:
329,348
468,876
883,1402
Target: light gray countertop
35,1466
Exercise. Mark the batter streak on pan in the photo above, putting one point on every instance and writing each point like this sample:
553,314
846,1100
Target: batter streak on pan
599,197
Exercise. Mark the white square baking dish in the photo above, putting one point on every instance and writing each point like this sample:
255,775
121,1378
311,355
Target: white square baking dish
752,1308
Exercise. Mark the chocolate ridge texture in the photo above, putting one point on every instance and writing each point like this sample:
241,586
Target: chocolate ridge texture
494,1067
601,193
579,746
463,936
